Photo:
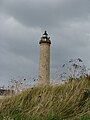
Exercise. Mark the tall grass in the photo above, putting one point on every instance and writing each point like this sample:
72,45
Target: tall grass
53,102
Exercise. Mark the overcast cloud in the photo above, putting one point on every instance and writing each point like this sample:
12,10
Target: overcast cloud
22,23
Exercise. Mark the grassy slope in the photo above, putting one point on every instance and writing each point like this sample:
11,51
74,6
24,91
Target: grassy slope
70,100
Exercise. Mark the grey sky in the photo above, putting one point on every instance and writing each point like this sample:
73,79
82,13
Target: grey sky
22,23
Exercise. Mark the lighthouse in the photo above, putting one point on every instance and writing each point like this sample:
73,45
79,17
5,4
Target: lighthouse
44,64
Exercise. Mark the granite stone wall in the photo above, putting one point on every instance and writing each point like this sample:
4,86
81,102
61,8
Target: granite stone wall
44,65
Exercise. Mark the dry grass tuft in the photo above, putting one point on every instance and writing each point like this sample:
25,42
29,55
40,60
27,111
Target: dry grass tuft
68,100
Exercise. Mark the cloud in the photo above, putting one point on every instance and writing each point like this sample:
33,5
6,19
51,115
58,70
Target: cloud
47,13
18,49
22,23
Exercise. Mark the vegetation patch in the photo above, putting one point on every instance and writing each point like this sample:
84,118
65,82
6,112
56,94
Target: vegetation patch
68,101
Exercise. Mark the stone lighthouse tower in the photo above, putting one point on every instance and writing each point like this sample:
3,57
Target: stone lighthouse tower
44,65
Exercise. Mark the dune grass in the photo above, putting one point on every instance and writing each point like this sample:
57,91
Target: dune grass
68,101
